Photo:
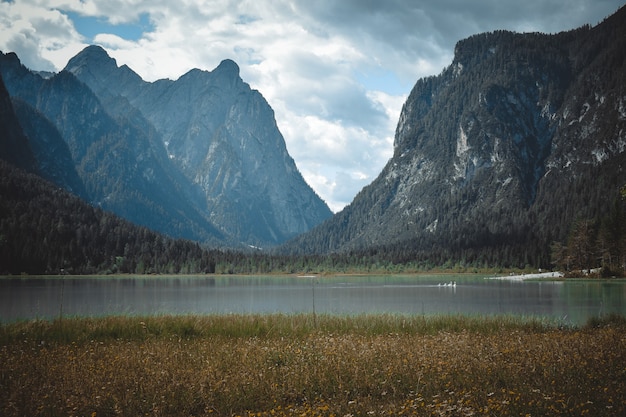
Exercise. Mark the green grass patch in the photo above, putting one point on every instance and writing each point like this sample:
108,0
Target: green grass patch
134,328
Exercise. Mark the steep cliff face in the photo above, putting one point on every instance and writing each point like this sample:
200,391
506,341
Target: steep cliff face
200,157
223,136
499,150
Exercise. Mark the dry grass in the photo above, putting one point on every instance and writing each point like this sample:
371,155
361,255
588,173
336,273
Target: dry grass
291,365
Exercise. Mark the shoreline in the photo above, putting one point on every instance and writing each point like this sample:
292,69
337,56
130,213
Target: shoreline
524,277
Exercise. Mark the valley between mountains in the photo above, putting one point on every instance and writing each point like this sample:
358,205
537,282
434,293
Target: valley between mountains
514,156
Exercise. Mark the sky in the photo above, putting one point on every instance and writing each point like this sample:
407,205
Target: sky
336,72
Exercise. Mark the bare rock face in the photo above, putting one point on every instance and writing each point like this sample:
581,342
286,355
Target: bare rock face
223,136
200,157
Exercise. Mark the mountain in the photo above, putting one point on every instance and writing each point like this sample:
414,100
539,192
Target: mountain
139,152
123,169
31,143
53,158
223,136
498,156
47,230
14,146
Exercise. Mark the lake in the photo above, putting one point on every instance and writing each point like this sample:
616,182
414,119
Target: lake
569,301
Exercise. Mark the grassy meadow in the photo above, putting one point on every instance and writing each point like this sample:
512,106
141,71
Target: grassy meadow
306,365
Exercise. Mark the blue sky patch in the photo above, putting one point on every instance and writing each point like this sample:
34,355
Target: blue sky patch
90,26
382,80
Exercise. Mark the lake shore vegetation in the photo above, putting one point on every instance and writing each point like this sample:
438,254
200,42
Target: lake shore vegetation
306,365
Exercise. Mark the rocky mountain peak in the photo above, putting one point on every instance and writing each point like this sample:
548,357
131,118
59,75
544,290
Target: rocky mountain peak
11,57
225,77
91,58
96,68
228,68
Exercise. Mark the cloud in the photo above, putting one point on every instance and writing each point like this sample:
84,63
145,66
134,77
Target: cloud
34,32
336,73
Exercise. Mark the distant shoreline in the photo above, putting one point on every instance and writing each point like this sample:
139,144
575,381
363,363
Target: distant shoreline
523,277
321,275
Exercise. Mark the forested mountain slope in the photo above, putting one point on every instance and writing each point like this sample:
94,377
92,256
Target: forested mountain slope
498,156
13,144
46,229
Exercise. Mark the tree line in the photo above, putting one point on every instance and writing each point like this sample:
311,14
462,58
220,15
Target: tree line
46,230
595,243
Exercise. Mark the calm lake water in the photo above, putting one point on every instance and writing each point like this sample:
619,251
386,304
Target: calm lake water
572,301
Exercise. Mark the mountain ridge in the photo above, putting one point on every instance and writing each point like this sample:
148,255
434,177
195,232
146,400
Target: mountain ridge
244,164
138,150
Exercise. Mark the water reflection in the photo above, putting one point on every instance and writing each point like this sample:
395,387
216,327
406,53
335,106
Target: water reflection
571,301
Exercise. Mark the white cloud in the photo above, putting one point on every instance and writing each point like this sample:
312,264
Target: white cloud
36,33
336,73
110,41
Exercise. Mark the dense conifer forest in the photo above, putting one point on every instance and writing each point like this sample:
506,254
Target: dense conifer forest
47,230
